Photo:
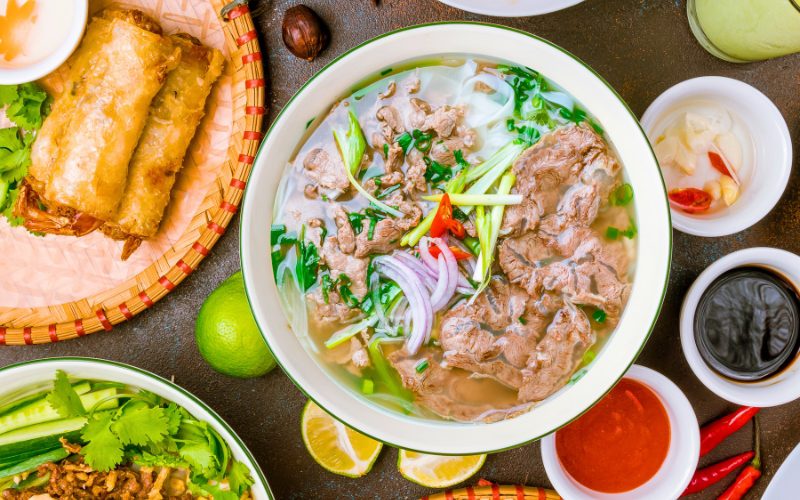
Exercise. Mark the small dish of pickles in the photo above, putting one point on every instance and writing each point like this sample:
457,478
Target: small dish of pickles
725,154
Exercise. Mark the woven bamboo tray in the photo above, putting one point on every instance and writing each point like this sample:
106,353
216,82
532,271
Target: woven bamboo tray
496,492
57,288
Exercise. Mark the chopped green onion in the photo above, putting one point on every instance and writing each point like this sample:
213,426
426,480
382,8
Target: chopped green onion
588,357
386,192
422,366
367,386
599,316
612,233
622,195
473,244
478,199
386,150
405,141
523,320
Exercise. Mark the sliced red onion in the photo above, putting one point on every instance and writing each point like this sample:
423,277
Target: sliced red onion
425,254
452,273
419,304
438,296
427,276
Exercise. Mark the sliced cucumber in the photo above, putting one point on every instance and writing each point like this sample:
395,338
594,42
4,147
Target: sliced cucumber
34,462
39,436
41,411
80,387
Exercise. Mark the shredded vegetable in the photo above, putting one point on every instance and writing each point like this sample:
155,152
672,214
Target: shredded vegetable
479,199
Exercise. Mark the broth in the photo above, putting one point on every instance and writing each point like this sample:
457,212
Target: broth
316,209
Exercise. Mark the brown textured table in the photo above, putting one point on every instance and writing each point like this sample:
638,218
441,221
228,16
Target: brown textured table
641,47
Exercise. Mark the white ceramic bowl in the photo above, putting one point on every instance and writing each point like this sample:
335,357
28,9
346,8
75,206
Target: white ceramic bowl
31,72
678,467
511,8
367,61
18,377
772,146
776,390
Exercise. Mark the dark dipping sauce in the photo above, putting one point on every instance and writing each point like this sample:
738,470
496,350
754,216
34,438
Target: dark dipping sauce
747,324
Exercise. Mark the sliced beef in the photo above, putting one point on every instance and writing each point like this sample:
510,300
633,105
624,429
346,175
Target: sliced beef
341,263
391,122
388,231
558,159
325,169
443,121
415,175
438,388
519,219
520,256
419,112
578,208
345,235
557,355
390,90
443,150
394,164
494,335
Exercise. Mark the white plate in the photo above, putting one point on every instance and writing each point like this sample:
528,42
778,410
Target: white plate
368,61
511,8
18,377
786,482
679,465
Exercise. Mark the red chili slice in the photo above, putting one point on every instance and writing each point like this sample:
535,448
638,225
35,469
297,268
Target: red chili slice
719,164
690,200
457,229
457,252
443,217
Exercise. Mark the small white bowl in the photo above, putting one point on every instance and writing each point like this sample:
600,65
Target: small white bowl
772,147
678,467
774,391
19,378
38,69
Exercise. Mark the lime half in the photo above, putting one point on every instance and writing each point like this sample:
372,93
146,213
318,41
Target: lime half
335,446
438,471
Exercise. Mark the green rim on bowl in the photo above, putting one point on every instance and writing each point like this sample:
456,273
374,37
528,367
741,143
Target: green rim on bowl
260,160
58,363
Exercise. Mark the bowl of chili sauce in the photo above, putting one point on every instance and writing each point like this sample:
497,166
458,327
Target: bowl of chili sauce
740,327
640,441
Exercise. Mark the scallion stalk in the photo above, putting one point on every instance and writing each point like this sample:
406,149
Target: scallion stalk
478,199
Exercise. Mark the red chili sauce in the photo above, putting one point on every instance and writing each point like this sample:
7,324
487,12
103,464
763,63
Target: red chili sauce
620,443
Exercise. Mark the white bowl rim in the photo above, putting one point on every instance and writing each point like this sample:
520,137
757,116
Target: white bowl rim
515,9
728,224
410,441
777,390
169,386
686,458
48,64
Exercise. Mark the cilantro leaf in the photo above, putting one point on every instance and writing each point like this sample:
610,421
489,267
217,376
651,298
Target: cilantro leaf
199,457
239,478
174,417
8,94
64,399
140,424
103,450
204,489
162,460
29,107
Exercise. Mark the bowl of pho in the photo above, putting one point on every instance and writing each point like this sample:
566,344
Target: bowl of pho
442,242
90,428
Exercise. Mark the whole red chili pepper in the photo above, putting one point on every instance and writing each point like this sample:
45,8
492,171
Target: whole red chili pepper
714,433
749,475
705,477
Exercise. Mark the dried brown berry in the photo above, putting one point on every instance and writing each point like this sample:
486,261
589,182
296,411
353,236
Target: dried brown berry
305,34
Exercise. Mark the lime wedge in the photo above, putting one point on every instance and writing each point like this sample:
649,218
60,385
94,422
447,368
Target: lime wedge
438,471
335,446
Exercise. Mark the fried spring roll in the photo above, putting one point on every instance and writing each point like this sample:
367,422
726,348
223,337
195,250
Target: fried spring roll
174,117
97,123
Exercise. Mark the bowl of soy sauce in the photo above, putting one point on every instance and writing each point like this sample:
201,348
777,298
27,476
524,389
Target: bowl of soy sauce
740,327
